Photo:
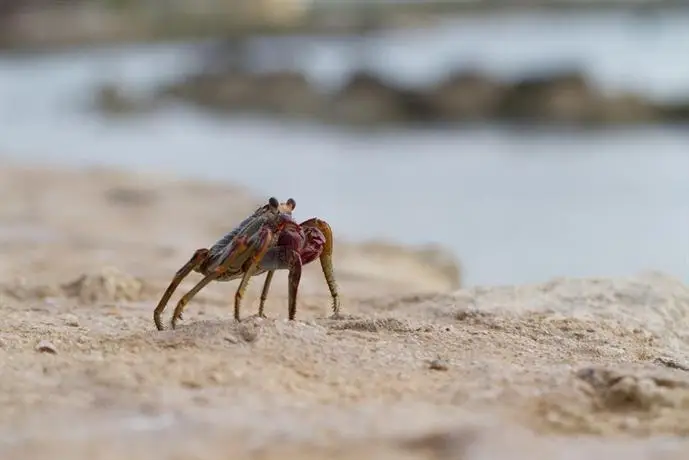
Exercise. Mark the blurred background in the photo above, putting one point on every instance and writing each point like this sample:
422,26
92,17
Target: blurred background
533,139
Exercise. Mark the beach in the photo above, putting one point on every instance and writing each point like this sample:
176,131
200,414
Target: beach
419,367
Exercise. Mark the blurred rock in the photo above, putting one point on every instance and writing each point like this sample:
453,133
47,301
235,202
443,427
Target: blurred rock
113,100
279,92
288,93
627,108
466,96
431,266
561,98
677,111
368,99
107,285
216,91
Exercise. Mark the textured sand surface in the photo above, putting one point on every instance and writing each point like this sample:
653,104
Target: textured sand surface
417,370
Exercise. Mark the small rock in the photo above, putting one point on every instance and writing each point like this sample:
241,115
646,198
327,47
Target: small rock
46,347
248,332
109,285
444,444
438,365
193,384
231,339
72,321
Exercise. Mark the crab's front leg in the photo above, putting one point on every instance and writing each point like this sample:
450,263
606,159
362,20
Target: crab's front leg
326,257
242,251
282,258
177,315
257,251
266,288
196,260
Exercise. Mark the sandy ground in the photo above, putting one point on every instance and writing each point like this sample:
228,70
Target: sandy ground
567,369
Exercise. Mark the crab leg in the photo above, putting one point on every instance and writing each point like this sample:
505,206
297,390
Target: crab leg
196,260
294,265
282,258
189,295
266,288
327,260
237,255
264,240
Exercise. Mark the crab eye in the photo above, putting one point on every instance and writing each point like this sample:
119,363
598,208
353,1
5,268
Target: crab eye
273,202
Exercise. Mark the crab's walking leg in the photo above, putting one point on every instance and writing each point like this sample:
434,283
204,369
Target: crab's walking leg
190,295
327,261
237,253
196,260
294,265
264,292
282,258
261,246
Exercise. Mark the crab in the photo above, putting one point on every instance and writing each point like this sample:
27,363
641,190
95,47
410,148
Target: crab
266,241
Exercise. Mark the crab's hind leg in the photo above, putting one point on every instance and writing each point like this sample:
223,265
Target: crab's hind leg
282,258
326,259
199,256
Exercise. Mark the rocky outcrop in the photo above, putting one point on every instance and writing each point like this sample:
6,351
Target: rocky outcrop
570,98
466,96
113,100
677,111
565,97
367,99
287,93
429,268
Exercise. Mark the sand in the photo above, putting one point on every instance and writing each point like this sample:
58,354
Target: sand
420,368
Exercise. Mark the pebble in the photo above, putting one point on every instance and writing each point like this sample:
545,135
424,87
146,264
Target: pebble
45,346
248,332
72,321
438,365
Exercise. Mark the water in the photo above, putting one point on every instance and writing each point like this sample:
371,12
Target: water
515,207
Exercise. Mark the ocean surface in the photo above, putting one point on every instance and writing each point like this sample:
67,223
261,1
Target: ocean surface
514,206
